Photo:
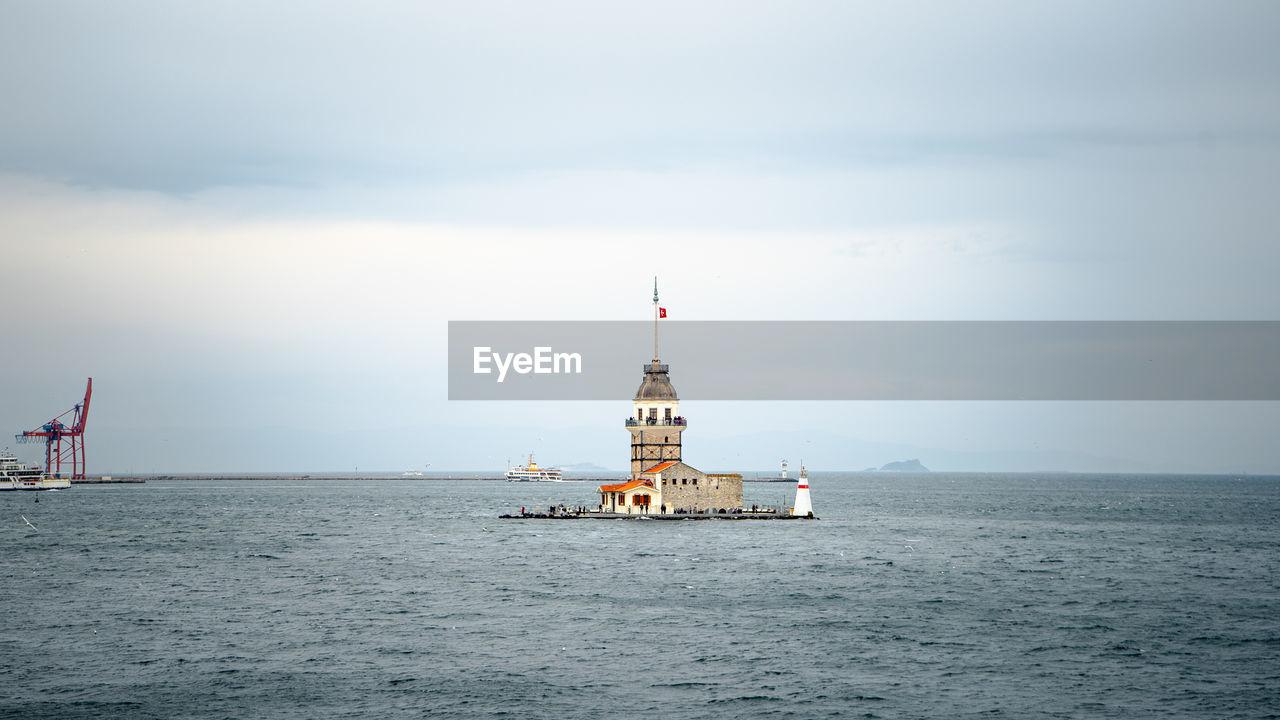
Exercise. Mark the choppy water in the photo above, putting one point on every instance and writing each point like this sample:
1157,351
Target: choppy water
935,596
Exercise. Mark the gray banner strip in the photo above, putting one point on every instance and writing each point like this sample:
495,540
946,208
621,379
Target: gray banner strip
1138,360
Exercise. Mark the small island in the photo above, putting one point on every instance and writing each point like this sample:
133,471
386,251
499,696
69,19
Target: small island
660,485
900,466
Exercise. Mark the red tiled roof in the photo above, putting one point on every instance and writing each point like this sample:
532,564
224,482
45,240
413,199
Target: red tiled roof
623,487
659,467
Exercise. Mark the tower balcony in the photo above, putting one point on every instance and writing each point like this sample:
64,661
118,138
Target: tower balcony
656,422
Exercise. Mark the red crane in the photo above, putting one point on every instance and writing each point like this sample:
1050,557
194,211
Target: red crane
53,433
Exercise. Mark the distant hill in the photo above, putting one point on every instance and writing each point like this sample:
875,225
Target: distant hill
904,466
586,468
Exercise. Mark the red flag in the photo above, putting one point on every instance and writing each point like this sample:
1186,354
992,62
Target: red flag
662,312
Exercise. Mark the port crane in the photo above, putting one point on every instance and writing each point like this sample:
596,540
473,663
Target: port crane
62,442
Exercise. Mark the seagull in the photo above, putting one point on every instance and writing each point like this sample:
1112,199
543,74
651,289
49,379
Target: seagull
25,520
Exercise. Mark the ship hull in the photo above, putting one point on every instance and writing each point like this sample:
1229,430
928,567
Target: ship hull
534,477
38,483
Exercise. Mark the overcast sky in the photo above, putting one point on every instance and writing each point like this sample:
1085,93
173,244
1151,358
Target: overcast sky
251,222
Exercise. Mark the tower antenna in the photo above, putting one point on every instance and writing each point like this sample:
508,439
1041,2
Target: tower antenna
655,319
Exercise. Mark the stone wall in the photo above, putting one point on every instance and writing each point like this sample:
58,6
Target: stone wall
687,489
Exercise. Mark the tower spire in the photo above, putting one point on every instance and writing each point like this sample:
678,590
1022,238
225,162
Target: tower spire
655,319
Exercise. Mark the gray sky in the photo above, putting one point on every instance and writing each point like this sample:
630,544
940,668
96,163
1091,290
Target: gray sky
250,223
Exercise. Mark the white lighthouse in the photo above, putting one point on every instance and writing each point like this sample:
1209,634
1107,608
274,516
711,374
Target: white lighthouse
803,506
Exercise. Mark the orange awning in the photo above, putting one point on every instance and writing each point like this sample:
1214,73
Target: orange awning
660,467
623,487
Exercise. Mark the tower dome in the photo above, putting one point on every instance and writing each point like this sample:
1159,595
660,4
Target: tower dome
656,384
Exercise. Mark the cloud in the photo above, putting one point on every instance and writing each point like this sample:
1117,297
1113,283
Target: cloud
148,95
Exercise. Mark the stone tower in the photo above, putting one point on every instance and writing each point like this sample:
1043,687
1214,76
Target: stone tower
655,422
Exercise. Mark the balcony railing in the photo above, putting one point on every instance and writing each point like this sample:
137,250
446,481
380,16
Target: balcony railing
655,422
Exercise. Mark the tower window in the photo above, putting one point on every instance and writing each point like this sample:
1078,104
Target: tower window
666,415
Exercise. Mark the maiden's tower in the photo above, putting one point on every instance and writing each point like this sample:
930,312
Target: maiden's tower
660,480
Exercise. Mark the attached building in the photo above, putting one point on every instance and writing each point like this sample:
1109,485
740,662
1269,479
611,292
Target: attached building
631,497
683,488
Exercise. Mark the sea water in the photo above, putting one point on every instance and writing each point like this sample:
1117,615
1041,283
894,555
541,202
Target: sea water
932,596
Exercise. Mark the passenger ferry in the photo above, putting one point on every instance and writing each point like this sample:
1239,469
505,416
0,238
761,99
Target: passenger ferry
532,473
19,476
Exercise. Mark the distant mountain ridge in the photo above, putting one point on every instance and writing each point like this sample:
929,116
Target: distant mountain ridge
585,468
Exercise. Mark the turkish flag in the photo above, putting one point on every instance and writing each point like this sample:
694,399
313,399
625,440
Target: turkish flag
662,312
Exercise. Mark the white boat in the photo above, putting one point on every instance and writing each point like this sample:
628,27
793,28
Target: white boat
19,476
532,473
